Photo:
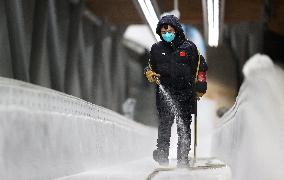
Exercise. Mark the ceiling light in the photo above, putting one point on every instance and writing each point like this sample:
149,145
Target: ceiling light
150,15
213,22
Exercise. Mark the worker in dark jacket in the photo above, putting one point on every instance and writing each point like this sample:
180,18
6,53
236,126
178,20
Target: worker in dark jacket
175,63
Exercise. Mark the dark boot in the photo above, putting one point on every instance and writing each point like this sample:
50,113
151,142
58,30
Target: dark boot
161,156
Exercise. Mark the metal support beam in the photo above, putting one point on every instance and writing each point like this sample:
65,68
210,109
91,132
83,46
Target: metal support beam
267,10
18,51
205,19
222,17
156,7
81,65
38,40
96,64
53,47
73,45
92,17
231,44
103,93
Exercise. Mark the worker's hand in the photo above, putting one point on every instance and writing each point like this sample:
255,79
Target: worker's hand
151,76
199,95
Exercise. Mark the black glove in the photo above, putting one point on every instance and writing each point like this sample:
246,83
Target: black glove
200,89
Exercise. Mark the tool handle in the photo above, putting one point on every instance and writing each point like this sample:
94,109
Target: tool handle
195,132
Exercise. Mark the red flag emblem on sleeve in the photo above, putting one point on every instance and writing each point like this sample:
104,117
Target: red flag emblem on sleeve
182,54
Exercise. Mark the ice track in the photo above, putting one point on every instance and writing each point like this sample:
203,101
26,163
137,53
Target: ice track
250,137
45,134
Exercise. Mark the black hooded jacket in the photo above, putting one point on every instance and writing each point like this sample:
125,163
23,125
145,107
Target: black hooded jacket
177,61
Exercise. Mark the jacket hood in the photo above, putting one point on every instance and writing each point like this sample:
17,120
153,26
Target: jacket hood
174,22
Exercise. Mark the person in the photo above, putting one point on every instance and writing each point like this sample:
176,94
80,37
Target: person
176,64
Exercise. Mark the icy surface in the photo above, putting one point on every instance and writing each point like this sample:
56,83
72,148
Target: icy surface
45,134
202,174
134,170
144,169
250,137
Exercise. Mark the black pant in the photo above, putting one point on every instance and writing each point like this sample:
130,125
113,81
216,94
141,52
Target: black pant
178,106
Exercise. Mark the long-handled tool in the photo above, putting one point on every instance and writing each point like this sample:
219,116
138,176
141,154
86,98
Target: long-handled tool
202,163
195,116
195,132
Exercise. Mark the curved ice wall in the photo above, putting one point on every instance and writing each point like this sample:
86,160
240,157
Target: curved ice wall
45,134
250,137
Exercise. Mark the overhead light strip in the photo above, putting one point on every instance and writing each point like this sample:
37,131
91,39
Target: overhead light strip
213,22
216,22
210,21
150,15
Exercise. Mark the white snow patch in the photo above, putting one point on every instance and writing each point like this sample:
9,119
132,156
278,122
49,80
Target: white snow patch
249,138
256,63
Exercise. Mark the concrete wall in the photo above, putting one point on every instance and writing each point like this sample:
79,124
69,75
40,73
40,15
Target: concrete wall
45,134
249,137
